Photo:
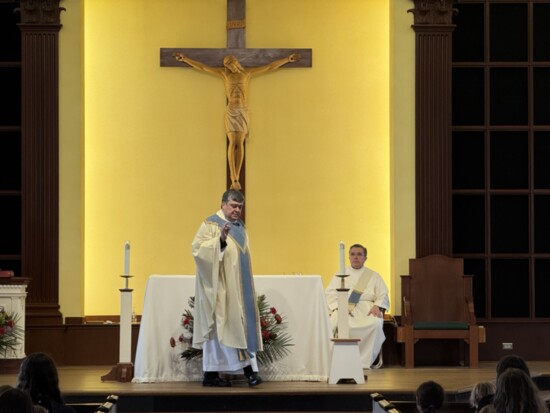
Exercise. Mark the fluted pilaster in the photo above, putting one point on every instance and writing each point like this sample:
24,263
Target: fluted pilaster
40,25
433,27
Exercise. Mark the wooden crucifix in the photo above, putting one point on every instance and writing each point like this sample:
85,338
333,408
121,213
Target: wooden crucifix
236,65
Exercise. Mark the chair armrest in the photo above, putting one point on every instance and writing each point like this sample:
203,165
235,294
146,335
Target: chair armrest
406,317
471,312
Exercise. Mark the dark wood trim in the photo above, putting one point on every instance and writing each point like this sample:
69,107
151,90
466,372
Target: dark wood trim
40,148
88,341
97,344
433,30
15,281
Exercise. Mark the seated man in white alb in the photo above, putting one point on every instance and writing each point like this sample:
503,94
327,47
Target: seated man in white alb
368,300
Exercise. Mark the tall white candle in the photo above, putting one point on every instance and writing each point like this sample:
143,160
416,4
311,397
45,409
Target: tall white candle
127,258
342,253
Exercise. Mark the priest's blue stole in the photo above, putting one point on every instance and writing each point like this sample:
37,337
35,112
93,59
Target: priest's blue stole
238,235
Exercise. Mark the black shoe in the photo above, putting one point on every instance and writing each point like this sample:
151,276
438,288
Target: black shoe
215,382
254,380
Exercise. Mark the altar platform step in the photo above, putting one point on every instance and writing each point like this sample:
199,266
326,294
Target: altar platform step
83,385
246,403
290,397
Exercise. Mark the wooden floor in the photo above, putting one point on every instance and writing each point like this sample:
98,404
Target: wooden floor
84,384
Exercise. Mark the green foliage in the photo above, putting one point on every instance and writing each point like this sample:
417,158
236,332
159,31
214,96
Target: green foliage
11,334
276,341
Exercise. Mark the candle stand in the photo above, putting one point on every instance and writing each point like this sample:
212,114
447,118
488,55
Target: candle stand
346,361
124,370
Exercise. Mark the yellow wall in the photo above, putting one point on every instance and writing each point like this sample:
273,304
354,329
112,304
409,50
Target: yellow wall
71,161
321,159
402,164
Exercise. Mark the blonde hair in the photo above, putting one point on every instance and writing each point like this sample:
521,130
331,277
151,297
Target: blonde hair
481,390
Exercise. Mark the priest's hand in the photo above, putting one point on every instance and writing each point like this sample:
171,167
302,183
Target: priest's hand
225,231
375,311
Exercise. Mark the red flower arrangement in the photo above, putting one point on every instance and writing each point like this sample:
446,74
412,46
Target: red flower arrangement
276,340
10,332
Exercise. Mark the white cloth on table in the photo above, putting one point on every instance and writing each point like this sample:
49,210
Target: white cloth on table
368,328
299,299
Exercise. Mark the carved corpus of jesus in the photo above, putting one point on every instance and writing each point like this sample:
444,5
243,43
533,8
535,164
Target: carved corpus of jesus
236,80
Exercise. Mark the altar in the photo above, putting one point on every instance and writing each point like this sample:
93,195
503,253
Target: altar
300,299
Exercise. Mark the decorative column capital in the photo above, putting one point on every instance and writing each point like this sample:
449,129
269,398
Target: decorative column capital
433,12
40,12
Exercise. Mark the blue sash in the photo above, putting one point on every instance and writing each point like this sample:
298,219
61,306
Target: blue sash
238,235
358,290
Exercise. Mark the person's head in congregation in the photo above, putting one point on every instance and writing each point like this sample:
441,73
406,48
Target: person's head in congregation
14,400
516,393
38,376
357,256
430,397
482,395
512,361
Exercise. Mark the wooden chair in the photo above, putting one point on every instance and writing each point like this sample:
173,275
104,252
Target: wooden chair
438,304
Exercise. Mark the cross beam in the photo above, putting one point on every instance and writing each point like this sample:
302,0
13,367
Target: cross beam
247,57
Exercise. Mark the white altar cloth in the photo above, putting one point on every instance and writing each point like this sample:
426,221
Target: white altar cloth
301,299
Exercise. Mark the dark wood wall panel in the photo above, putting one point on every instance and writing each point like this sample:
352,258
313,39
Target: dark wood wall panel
98,344
531,340
79,345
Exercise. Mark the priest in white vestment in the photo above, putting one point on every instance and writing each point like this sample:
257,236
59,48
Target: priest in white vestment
226,320
367,302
